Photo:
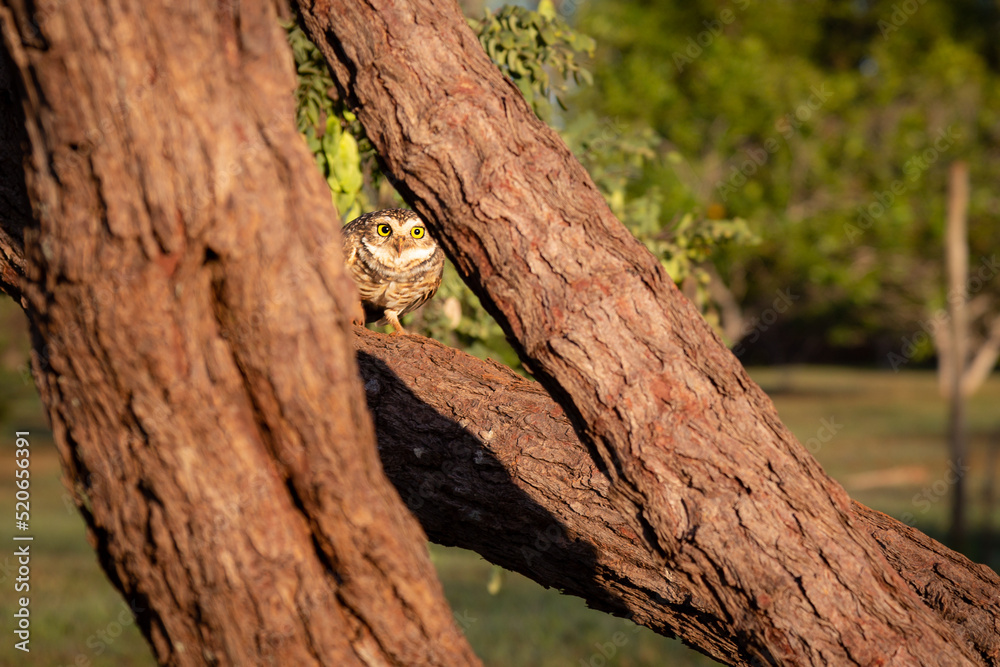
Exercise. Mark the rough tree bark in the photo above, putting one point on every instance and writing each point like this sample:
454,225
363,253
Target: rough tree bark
489,462
738,510
153,471
187,302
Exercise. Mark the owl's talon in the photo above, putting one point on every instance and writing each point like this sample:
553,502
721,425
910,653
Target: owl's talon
358,316
393,319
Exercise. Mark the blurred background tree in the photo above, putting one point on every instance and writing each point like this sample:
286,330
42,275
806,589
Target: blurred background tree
829,127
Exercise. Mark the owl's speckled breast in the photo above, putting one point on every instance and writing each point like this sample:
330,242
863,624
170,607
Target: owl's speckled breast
395,264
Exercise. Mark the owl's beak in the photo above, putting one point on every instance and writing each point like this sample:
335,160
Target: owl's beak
398,243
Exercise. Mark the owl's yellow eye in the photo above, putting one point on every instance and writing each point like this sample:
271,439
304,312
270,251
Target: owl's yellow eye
383,230
417,232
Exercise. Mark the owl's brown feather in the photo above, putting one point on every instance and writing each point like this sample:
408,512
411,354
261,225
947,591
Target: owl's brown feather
396,272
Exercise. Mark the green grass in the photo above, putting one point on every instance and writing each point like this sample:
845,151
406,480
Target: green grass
886,421
524,624
76,616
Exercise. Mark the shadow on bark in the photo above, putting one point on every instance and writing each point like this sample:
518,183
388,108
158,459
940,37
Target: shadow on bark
15,207
557,523
458,487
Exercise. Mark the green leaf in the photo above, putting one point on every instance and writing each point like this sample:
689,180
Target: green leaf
543,109
547,9
511,59
525,86
333,127
347,166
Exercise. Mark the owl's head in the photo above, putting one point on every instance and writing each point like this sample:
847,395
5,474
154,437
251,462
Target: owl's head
397,238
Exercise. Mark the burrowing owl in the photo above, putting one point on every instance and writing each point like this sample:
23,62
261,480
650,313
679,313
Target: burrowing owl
394,262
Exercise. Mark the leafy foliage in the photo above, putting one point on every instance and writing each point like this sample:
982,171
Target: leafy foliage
829,128
528,45
332,133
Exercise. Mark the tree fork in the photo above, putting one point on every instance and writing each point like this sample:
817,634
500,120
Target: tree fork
741,513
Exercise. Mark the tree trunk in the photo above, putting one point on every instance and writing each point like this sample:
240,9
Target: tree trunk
956,249
187,303
737,509
965,360
487,461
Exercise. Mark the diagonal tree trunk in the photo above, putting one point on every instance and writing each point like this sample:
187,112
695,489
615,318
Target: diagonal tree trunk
186,298
739,511
487,461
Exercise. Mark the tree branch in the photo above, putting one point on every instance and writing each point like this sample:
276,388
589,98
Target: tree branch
984,360
489,462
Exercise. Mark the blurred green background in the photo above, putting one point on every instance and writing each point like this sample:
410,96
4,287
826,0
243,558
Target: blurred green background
788,164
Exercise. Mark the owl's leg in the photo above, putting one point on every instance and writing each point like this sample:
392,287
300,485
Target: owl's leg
393,319
358,316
